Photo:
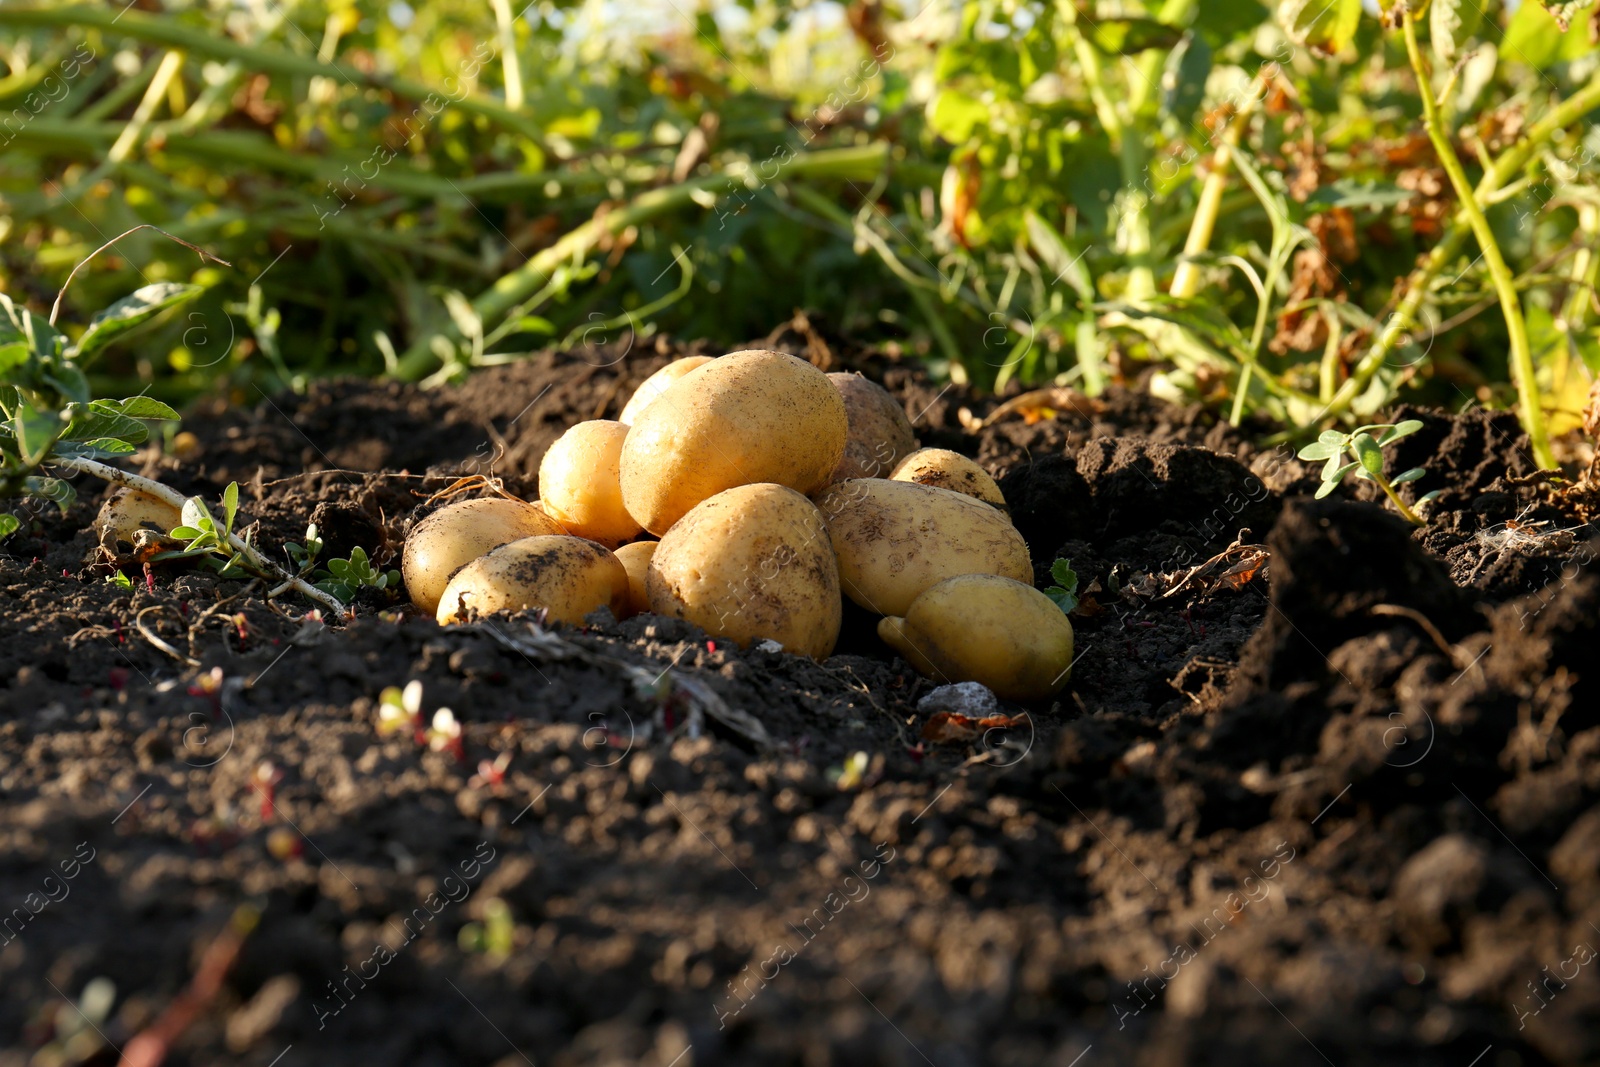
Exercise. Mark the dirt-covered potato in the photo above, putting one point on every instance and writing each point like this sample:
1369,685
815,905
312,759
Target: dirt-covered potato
127,513
745,418
636,561
896,539
988,629
578,482
459,533
657,384
567,576
949,470
750,563
880,435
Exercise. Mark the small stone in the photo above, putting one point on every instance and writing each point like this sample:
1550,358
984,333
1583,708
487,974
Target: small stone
964,698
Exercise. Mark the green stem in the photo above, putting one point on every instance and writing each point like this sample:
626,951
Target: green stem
1522,369
864,162
1404,509
1186,279
165,30
1416,285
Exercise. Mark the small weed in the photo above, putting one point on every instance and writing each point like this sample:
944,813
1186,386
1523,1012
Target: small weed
1366,452
1065,591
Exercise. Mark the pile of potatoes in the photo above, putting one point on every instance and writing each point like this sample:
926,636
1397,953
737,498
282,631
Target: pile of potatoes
748,494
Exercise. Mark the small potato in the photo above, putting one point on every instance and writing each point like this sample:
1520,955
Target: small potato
657,384
130,512
746,418
949,470
752,562
880,434
984,628
895,539
567,576
636,560
459,533
579,483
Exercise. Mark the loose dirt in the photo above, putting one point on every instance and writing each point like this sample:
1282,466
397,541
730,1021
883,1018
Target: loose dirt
1339,807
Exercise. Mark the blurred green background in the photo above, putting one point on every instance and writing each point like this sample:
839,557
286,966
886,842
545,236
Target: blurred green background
1004,188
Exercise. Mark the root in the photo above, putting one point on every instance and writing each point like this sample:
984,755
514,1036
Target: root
171,496
159,642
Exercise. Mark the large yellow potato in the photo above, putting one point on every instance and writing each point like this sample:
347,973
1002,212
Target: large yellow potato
636,561
880,435
567,576
752,562
657,384
579,482
988,629
459,533
896,539
949,470
745,418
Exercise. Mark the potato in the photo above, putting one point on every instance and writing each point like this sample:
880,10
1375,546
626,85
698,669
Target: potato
985,628
636,561
751,562
657,384
880,435
949,470
578,483
896,539
130,512
567,576
459,533
746,418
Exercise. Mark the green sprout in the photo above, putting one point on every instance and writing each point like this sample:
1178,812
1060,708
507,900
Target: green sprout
1367,461
344,578
211,540
1065,591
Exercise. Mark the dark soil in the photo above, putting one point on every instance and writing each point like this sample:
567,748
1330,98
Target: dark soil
1340,808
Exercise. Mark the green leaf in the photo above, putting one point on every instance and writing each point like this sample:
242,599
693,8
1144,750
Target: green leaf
1396,432
1184,81
133,310
1451,23
954,115
58,492
13,353
1565,12
1536,37
1318,450
198,516
1368,453
1128,36
139,407
9,525
1327,27
230,506
1408,476
98,446
185,533
100,419
1058,256
1224,21
1429,496
36,431
17,323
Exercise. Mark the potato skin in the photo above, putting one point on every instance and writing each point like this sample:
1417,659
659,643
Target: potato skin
896,539
578,482
635,559
658,383
127,512
949,470
746,418
880,435
752,562
985,628
567,576
459,533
